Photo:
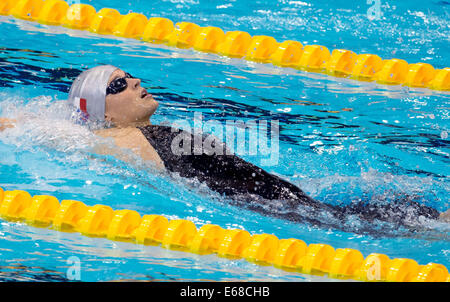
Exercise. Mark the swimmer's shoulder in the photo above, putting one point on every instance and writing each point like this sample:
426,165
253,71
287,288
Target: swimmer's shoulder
117,132
132,138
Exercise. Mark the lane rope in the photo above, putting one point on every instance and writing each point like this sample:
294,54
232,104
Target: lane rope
264,249
236,44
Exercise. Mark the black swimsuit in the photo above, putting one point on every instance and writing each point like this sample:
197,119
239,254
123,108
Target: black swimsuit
245,182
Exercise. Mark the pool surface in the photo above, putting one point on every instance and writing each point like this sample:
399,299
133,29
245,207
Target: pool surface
340,140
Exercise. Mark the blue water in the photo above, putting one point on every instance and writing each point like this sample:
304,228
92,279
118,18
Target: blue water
340,140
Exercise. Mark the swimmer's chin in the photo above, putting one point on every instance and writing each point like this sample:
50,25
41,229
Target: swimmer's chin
147,104
150,108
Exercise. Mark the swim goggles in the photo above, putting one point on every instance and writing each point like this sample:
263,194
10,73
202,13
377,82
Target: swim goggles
118,85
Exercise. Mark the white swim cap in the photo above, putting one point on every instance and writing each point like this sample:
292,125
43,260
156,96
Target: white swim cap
88,91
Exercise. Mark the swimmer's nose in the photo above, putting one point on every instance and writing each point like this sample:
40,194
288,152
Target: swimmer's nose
135,83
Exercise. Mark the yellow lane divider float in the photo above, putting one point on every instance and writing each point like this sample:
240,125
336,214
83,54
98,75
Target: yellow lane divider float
264,249
236,44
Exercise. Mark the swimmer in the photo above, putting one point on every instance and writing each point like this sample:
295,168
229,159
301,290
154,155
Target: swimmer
110,96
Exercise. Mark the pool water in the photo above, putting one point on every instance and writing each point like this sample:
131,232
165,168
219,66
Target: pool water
340,140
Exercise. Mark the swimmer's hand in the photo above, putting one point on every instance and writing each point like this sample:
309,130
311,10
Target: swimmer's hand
6,123
445,217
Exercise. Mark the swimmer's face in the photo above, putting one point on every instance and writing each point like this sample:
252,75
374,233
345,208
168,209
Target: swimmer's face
132,105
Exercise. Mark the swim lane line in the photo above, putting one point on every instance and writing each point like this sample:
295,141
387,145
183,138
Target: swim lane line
236,44
264,249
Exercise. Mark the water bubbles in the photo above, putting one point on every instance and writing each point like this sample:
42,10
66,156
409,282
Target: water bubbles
316,143
388,177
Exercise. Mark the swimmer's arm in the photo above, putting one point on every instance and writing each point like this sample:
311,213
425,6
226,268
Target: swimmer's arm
7,123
